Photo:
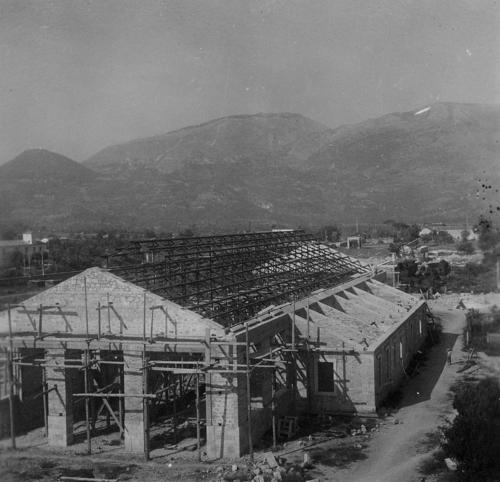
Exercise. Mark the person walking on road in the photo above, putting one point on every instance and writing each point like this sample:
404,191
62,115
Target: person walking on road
448,356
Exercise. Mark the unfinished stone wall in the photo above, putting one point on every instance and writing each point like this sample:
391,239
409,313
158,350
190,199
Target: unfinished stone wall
364,379
227,402
29,387
133,384
353,384
124,306
5,416
28,403
393,354
226,414
60,400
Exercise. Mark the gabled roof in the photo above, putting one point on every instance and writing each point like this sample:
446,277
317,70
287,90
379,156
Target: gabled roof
354,315
230,278
124,307
13,242
312,257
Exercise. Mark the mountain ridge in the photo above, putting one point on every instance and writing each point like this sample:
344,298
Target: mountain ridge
430,164
226,137
43,164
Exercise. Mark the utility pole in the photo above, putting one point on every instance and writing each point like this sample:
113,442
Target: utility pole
10,374
498,272
393,270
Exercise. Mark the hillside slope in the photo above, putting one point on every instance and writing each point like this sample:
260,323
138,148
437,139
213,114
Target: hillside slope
42,165
435,164
229,139
41,188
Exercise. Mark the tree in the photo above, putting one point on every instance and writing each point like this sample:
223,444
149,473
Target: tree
8,234
443,268
443,237
404,233
489,238
17,259
474,436
427,238
331,232
395,248
465,247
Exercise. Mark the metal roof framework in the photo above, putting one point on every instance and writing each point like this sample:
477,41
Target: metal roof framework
230,278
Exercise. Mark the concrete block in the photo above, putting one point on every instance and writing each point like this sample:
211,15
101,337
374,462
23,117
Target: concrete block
60,429
271,460
60,400
134,416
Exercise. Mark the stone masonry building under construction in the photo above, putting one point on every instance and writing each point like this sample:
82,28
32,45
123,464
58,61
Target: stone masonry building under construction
295,335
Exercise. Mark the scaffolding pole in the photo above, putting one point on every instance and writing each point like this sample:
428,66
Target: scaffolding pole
198,435
145,401
87,403
177,368
174,407
45,397
249,395
11,381
294,362
273,401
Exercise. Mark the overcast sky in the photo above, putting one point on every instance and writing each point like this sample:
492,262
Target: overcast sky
77,76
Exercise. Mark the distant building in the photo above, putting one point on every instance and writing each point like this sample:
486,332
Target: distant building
24,246
425,232
354,241
454,231
456,234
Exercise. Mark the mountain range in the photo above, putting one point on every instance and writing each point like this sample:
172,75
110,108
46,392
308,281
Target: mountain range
439,163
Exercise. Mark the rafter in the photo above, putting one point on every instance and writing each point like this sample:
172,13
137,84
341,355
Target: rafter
229,278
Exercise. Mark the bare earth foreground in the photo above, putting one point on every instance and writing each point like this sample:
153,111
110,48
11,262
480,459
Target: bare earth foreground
401,445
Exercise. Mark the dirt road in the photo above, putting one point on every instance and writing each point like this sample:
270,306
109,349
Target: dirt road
401,445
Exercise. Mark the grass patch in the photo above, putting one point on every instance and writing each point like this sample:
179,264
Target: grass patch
432,464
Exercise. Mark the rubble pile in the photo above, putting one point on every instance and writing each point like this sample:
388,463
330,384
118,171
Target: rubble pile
267,468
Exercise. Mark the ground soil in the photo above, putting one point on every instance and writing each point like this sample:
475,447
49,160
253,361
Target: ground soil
401,445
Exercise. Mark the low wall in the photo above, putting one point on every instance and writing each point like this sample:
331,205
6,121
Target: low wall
493,340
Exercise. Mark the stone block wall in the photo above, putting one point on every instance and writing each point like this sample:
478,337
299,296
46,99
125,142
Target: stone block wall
393,355
354,384
363,380
226,415
125,316
60,400
133,384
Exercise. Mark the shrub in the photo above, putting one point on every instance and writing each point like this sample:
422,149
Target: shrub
465,247
475,277
474,436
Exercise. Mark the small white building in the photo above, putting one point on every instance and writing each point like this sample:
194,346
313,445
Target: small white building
456,234
24,246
